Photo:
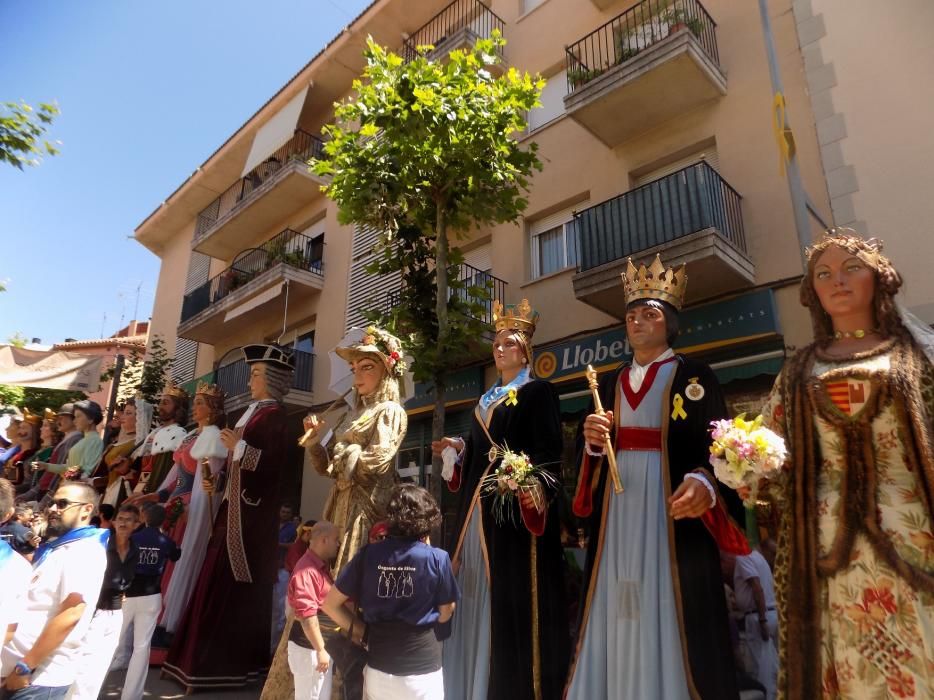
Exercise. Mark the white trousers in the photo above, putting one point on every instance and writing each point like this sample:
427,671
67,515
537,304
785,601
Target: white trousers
383,686
309,684
764,653
96,652
139,619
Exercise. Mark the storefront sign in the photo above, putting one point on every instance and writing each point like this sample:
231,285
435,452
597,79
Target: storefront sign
705,327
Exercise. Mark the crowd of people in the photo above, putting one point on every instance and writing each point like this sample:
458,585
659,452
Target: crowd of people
181,536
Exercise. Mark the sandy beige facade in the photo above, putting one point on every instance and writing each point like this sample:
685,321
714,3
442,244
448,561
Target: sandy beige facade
872,111
671,125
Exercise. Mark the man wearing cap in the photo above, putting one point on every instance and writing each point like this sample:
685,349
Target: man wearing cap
232,598
84,455
654,623
153,459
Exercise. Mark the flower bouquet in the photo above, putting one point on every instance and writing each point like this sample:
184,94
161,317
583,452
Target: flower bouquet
744,452
515,474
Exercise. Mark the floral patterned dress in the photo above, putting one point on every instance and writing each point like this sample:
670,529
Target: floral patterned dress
876,626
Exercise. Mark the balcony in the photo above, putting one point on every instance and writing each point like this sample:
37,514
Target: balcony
457,26
691,216
234,380
274,189
653,62
467,289
252,287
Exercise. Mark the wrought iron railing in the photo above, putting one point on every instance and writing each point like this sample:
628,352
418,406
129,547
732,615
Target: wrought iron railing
289,247
470,276
460,15
301,147
627,35
661,211
234,378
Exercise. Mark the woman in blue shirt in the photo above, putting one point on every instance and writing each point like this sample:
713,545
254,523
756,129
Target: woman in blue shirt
406,589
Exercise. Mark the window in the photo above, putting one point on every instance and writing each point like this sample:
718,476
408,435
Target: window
555,243
529,5
552,99
305,342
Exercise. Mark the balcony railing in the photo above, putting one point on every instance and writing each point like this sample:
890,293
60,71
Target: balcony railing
234,378
639,27
460,15
301,147
471,277
689,200
289,247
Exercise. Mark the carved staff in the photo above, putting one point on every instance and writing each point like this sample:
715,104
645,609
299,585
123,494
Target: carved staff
311,432
608,447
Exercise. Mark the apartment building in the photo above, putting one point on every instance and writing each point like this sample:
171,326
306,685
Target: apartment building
656,135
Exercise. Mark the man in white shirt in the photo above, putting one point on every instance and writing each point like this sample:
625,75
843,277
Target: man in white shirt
39,661
754,592
15,571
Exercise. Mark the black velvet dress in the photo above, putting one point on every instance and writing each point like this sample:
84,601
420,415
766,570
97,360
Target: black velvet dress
524,557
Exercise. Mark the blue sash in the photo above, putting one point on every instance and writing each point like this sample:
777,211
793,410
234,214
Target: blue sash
5,552
73,536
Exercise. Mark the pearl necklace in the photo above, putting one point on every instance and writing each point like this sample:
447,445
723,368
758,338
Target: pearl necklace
858,333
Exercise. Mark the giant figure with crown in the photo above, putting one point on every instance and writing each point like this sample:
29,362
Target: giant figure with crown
654,619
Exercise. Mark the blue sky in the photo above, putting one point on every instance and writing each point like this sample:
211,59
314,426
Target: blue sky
147,90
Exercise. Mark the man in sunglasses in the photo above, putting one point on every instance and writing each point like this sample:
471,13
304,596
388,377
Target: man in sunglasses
40,660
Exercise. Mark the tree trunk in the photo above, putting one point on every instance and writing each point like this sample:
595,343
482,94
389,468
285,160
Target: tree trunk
441,310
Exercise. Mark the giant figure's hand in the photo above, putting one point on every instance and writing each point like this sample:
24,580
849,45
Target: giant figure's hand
597,429
690,500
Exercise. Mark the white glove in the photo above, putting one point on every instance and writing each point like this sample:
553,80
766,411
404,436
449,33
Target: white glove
448,459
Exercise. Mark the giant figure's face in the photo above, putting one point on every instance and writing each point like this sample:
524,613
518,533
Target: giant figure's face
646,328
844,284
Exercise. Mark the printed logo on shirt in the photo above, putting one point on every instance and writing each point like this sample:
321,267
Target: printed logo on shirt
395,582
149,555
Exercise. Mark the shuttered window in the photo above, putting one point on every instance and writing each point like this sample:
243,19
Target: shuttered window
555,242
552,99
366,291
186,350
709,155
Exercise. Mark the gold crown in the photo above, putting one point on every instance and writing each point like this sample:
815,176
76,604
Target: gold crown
175,391
212,390
515,317
655,282
49,415
30,417
870,249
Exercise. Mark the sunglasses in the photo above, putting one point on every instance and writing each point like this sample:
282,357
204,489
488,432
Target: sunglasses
65,504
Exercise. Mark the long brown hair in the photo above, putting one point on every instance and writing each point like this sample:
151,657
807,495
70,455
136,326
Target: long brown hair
887,280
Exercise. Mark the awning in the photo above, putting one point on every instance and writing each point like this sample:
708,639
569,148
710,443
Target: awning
751,366
275,133
50,369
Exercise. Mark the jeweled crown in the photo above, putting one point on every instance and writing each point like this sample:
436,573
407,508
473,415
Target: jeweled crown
212,390
516,317
655,282
176,392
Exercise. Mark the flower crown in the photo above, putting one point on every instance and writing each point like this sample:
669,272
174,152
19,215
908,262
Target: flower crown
389,346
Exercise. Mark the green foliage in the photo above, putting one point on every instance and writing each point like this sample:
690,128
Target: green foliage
36,399
17,340
10,396
146,376
21,133
429,135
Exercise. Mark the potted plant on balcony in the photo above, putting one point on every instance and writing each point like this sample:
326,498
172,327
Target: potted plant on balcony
626,45
678,18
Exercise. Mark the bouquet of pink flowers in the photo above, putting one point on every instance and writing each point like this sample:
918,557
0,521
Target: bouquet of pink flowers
514,474
744,452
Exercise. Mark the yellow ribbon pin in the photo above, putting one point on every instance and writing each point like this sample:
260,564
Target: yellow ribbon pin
678,404
512,400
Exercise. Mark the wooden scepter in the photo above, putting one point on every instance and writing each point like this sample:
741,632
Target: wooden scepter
608,446
305,439
206,474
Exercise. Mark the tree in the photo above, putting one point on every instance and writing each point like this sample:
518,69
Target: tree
144,375
21,133
17,340
35,398
427,150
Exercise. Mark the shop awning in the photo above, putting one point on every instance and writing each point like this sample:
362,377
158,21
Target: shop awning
750,366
